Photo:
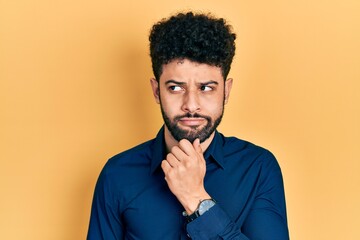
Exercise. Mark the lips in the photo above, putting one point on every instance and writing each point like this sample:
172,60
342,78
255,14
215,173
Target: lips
191,121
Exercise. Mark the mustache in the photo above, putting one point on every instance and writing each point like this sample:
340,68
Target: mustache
192,115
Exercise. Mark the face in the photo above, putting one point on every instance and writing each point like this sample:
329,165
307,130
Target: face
192,98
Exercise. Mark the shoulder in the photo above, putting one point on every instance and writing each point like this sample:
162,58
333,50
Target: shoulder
124,170
124,161
139,150
247,151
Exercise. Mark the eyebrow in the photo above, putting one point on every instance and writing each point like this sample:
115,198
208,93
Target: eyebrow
209,82
183,83
174,82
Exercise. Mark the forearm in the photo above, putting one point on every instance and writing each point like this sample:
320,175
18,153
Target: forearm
214,224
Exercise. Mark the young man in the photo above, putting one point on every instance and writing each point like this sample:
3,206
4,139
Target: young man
190,181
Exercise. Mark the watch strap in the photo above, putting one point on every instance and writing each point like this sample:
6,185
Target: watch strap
191,217
196,213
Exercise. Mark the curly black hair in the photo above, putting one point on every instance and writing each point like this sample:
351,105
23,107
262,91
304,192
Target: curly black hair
199,37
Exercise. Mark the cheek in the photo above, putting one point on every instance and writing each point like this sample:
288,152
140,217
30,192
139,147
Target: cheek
170,105
214,110
212,104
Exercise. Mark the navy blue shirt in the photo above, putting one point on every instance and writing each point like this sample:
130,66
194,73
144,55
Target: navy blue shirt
132,199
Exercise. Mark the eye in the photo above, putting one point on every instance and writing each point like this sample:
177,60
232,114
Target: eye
175,88
206,88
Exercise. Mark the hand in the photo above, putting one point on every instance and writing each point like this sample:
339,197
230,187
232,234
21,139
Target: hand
185,169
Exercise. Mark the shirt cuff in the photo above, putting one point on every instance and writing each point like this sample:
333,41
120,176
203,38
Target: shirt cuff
209,225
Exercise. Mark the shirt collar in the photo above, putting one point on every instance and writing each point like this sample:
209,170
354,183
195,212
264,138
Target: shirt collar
213,153
158,150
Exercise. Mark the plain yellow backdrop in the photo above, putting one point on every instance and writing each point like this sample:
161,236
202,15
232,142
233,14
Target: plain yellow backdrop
74,90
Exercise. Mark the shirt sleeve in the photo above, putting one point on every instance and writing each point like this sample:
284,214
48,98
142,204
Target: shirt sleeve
105,222
266,219
214,224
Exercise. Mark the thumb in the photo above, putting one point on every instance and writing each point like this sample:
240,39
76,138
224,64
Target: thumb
197,146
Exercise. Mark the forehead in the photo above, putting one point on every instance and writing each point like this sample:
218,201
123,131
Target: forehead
186,70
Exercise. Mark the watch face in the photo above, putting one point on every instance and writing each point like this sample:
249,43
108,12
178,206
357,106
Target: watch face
205,206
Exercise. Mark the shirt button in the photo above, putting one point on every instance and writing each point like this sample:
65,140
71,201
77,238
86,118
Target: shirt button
188,235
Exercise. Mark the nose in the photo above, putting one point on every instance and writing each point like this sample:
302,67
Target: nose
191,102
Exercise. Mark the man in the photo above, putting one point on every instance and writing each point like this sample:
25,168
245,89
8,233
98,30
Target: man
190,181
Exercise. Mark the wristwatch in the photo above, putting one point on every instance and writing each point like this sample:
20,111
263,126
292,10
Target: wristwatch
204,206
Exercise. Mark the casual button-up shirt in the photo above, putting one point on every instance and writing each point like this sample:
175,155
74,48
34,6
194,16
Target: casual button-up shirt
132,199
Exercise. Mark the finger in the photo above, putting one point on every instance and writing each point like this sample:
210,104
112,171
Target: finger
186,147
197,146
165,166
179,153
172,160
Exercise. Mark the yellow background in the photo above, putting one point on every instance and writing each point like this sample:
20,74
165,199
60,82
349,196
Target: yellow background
75,90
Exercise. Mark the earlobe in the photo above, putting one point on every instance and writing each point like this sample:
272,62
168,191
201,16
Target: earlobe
155,89
228,86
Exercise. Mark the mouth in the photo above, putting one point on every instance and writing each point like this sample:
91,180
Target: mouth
191,122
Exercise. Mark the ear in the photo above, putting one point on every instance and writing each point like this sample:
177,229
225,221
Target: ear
155,89
228,86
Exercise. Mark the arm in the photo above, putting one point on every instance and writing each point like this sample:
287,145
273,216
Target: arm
214,224
266,219
105,223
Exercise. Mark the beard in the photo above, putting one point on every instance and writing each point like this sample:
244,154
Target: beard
201,132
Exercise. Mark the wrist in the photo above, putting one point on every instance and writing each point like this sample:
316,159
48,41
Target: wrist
204,206
191,203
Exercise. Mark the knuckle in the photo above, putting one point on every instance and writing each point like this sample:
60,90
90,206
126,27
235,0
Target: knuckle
170,174
187,164
182,169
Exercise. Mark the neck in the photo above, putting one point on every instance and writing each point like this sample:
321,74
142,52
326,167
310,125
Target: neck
170,141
